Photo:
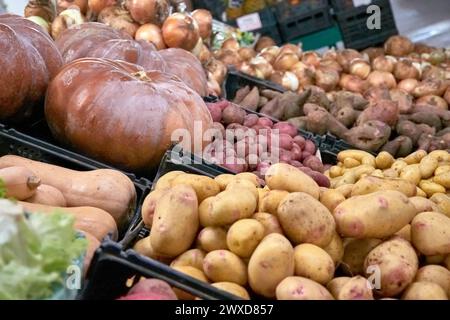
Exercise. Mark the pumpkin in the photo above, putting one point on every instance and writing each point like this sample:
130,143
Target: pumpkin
28,60
116,112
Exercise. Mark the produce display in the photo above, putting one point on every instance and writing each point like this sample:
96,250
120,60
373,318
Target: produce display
295,240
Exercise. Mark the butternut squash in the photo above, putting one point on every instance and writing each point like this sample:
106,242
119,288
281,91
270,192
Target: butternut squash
49,196
93,245
20,183
105,189
97,222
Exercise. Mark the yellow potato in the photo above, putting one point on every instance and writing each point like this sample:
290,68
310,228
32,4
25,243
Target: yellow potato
176,221
391,173
313,262
233,288
336,285
384,160
442,202
421,193
440,155
335,248
282,176
144,247
336,171
362,156
149,205
244,236
192,272
443,179
398,166
165,182
331,199
224,265
204,187
427,166
357,288
351,176
377,173
395,263
405,233
269,222
424,291
271,200
253,178
261,193
227,207
270,263
304,219
238,184
411,173
423,204
373,184
299,288
351,163
212,238
355,252
376,215
435,274
192,258
345,190
430,233
415,157
440,170
223,180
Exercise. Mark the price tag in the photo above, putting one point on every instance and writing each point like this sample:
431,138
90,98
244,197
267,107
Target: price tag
358,3
249,22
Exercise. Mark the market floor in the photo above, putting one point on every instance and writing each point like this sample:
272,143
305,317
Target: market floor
425,21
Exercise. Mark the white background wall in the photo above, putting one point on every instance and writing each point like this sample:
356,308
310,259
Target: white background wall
16,6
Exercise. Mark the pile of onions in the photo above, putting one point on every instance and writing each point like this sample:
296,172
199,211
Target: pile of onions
217,69
382,79
304,73
360,68
180,30
148,11
287,80
151,33
406,69
384,63
66,19
246,53
398,46
286,61
353,83
204,20
345,58
66,4
327,79
262,66
119,19
264,42
408,85
231,44
96,6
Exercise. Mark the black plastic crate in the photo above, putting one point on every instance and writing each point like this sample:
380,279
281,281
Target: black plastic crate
112,268
307,17
353,25
16,143
341,5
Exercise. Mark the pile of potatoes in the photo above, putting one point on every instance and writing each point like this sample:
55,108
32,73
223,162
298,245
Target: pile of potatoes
294,240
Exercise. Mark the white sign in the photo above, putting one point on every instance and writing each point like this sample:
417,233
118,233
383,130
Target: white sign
249,22
358,3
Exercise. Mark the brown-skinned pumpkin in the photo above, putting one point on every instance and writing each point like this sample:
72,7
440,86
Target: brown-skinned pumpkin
116,112
28,60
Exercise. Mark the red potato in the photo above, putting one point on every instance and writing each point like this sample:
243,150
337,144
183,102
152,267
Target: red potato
300,141
314,163
233,114
250,120
286,141
215,111
285,156
296,152
305,155
266,122
310,147
286,127
296,163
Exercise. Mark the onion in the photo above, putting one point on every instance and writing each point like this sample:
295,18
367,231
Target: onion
405,69
287,80
330,54
430,87
41,22
311,58
246,53
447,95
246,68
408,85
274,51
433,72
229,57
305,74
214,87
291,48
198,48
264,42
148,11
231,44
398,46
66,4
285,61
205,55
384,63
262,65
66,19
434,101
422,48
381,79
204,20
331,64
353,83
96,6
327,79
180,31
151,33
373,52
437,57
119,19
345,58
217,69
360,68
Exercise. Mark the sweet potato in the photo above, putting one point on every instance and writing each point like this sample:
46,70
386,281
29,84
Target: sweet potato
347,116
292,103
251,101
270,94
369,136
272,109
431,119
399,147
383,110
241,94
355,101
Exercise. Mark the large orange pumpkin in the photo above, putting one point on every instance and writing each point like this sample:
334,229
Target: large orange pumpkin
116,112
28,60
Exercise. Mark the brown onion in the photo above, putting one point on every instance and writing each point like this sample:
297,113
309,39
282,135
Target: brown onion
330,54
434,101
311,58
360,68
422,48
403,99
231,44
264,42
285,61
291,48
262,65
304,73
65,20
405,69
433,72
217,69
246,68
430,87
41,22
327,79
398,46
353,83
119,19
151,33
246,53
205,54
198,48
96,6
384,63
65,4
437,57
180,31
382,79
204,20
287,79
345,58
148,11
228,57
373,52
330,63
214,87
408,85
